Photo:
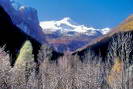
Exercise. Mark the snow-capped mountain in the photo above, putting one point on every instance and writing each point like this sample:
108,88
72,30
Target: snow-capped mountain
66,35
68,27
63,35
25,18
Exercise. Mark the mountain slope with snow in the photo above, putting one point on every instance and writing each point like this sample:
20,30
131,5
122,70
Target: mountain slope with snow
66,35
63,35
66,25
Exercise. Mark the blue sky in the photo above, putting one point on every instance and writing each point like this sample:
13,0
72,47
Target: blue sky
96,13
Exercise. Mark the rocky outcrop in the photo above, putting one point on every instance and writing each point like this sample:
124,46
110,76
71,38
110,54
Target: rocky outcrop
25,18
13,38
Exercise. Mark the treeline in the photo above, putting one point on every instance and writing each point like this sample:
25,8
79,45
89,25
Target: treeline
69,71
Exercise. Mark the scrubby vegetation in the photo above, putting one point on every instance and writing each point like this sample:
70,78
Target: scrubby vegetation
69,71
128,26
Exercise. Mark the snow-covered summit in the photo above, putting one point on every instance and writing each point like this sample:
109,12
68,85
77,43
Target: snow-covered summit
65,34
66,25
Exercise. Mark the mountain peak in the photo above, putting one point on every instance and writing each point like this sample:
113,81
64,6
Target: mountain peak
66,35
66,25
24,17
22,7
66,19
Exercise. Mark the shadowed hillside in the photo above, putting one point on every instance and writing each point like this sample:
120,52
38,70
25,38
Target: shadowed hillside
125,26
13,38
88,70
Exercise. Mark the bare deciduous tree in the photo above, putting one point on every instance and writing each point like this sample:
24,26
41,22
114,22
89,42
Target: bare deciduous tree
4,70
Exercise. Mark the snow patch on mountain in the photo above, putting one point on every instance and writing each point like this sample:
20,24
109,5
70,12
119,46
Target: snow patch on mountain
105,30
66,25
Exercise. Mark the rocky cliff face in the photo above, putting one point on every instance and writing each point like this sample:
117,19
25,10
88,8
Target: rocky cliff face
13,37
25,18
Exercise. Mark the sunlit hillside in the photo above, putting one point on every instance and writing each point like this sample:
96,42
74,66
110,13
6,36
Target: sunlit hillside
126,25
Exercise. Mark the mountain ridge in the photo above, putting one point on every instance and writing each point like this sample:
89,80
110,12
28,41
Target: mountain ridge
67,24
66,35
121,28
25,18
